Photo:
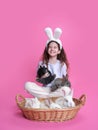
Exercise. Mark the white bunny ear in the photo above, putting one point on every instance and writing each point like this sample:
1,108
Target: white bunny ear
57,33
49,33
56,36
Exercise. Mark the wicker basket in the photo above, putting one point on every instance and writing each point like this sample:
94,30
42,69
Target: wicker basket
56,115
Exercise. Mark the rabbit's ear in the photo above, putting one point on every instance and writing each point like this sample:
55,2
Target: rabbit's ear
57,33
49,33
40,66
71,93
36,99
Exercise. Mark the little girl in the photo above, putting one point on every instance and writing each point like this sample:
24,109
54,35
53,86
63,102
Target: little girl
55,59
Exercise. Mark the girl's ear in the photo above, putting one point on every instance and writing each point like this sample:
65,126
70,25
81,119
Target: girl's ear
57,33
49,33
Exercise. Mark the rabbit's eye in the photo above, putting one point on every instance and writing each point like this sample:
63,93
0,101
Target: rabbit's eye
66,100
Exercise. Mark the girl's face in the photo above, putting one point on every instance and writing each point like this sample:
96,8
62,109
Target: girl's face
53,49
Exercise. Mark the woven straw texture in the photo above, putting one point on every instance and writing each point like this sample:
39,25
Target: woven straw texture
54,115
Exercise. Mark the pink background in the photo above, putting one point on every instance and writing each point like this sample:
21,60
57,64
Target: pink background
22,40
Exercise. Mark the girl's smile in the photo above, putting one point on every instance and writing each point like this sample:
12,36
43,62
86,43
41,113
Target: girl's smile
53,49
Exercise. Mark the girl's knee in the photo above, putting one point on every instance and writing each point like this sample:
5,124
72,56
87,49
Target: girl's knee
28,85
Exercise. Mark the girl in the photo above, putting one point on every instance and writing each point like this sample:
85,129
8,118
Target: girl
55,59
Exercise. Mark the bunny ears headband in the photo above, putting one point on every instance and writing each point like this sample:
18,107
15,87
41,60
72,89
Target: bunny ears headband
55,37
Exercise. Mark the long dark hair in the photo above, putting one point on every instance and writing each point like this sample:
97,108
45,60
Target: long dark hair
62,56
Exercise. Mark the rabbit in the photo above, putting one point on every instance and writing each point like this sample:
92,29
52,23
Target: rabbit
54,105
32,103
66,100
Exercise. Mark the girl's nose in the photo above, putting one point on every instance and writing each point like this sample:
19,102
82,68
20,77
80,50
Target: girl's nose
52,48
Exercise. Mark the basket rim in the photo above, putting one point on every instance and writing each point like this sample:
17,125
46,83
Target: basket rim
81,101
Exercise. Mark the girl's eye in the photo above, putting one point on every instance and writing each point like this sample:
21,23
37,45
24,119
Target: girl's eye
50,47
55,47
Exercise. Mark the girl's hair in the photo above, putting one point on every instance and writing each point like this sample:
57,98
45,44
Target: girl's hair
62,56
